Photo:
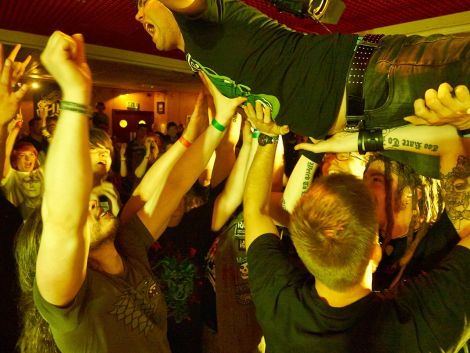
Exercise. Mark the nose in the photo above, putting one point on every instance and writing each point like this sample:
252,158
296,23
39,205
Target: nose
139,16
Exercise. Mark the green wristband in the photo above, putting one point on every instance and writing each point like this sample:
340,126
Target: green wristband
255,133
217,125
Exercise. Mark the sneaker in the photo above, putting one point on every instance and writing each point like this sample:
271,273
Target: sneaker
230,89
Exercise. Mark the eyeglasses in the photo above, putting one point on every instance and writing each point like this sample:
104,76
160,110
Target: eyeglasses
346,156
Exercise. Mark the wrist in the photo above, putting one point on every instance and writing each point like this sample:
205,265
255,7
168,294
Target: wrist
264,139
464,133
218,125
370,141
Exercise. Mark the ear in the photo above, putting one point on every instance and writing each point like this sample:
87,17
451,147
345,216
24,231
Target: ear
406,198
376,255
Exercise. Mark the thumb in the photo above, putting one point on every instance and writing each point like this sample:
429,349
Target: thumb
284,129
307,147
413,119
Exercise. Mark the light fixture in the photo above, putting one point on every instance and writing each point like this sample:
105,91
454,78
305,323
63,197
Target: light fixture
123,123
35,85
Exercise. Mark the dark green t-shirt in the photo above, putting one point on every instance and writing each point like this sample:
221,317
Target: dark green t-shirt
125,313
307,73
427,314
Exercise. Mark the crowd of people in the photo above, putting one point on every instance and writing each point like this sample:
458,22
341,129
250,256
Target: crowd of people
276,221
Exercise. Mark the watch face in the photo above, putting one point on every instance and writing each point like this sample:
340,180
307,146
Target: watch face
263,139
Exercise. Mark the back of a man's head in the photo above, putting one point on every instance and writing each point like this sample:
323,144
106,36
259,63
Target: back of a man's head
333,228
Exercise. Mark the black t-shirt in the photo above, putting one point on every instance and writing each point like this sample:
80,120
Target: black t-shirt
427,314
436,244
307,73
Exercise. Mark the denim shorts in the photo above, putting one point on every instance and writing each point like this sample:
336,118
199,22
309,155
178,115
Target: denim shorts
400,71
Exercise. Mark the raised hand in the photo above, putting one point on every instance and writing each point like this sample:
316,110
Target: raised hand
339,142
18,67
444,106
64,58
9,99
225,107
199,119
260,118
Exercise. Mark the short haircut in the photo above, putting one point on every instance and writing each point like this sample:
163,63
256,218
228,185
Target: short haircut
171,124
23,146
333,228
99,138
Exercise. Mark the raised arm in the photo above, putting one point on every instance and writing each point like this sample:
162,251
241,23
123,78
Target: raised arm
158,210
188,7
63,253
231,197
9,101
155,179
257,194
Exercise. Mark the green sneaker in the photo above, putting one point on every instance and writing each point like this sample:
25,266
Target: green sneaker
230,89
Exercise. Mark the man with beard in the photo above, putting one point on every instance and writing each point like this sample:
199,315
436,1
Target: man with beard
92,281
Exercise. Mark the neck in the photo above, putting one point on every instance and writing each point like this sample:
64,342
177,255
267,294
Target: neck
339,299
106,259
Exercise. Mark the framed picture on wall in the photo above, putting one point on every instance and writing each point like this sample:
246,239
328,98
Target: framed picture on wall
161,107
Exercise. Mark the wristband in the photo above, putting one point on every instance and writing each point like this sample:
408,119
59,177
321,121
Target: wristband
217,125
184,142
255,133
464,133
76,107
370,141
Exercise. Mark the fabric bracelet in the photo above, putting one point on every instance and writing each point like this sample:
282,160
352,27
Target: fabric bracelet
370,141
184,142
76,107
255,133
217,125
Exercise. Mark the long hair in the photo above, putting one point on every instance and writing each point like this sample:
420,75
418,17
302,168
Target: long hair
36,336
427,205
333,228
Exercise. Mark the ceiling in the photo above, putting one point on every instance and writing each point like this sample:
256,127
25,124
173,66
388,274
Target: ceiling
123,56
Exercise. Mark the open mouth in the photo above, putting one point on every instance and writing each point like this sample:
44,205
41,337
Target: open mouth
149,28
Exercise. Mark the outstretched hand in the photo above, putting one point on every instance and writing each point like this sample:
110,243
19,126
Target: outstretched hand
64,58
9,99
339,142
444,106
225,108
260,118
199,120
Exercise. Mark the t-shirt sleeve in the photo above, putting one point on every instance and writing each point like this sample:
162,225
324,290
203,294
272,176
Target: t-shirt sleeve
270,273
216,11
439,301
134,239
60,319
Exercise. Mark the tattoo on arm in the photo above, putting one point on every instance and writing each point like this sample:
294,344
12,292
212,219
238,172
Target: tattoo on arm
308,176
456,189
393,143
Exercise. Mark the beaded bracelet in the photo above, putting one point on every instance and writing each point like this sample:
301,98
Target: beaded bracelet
76,107
184,142
217,125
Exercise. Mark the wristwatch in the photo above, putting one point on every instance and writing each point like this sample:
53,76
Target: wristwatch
264,140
